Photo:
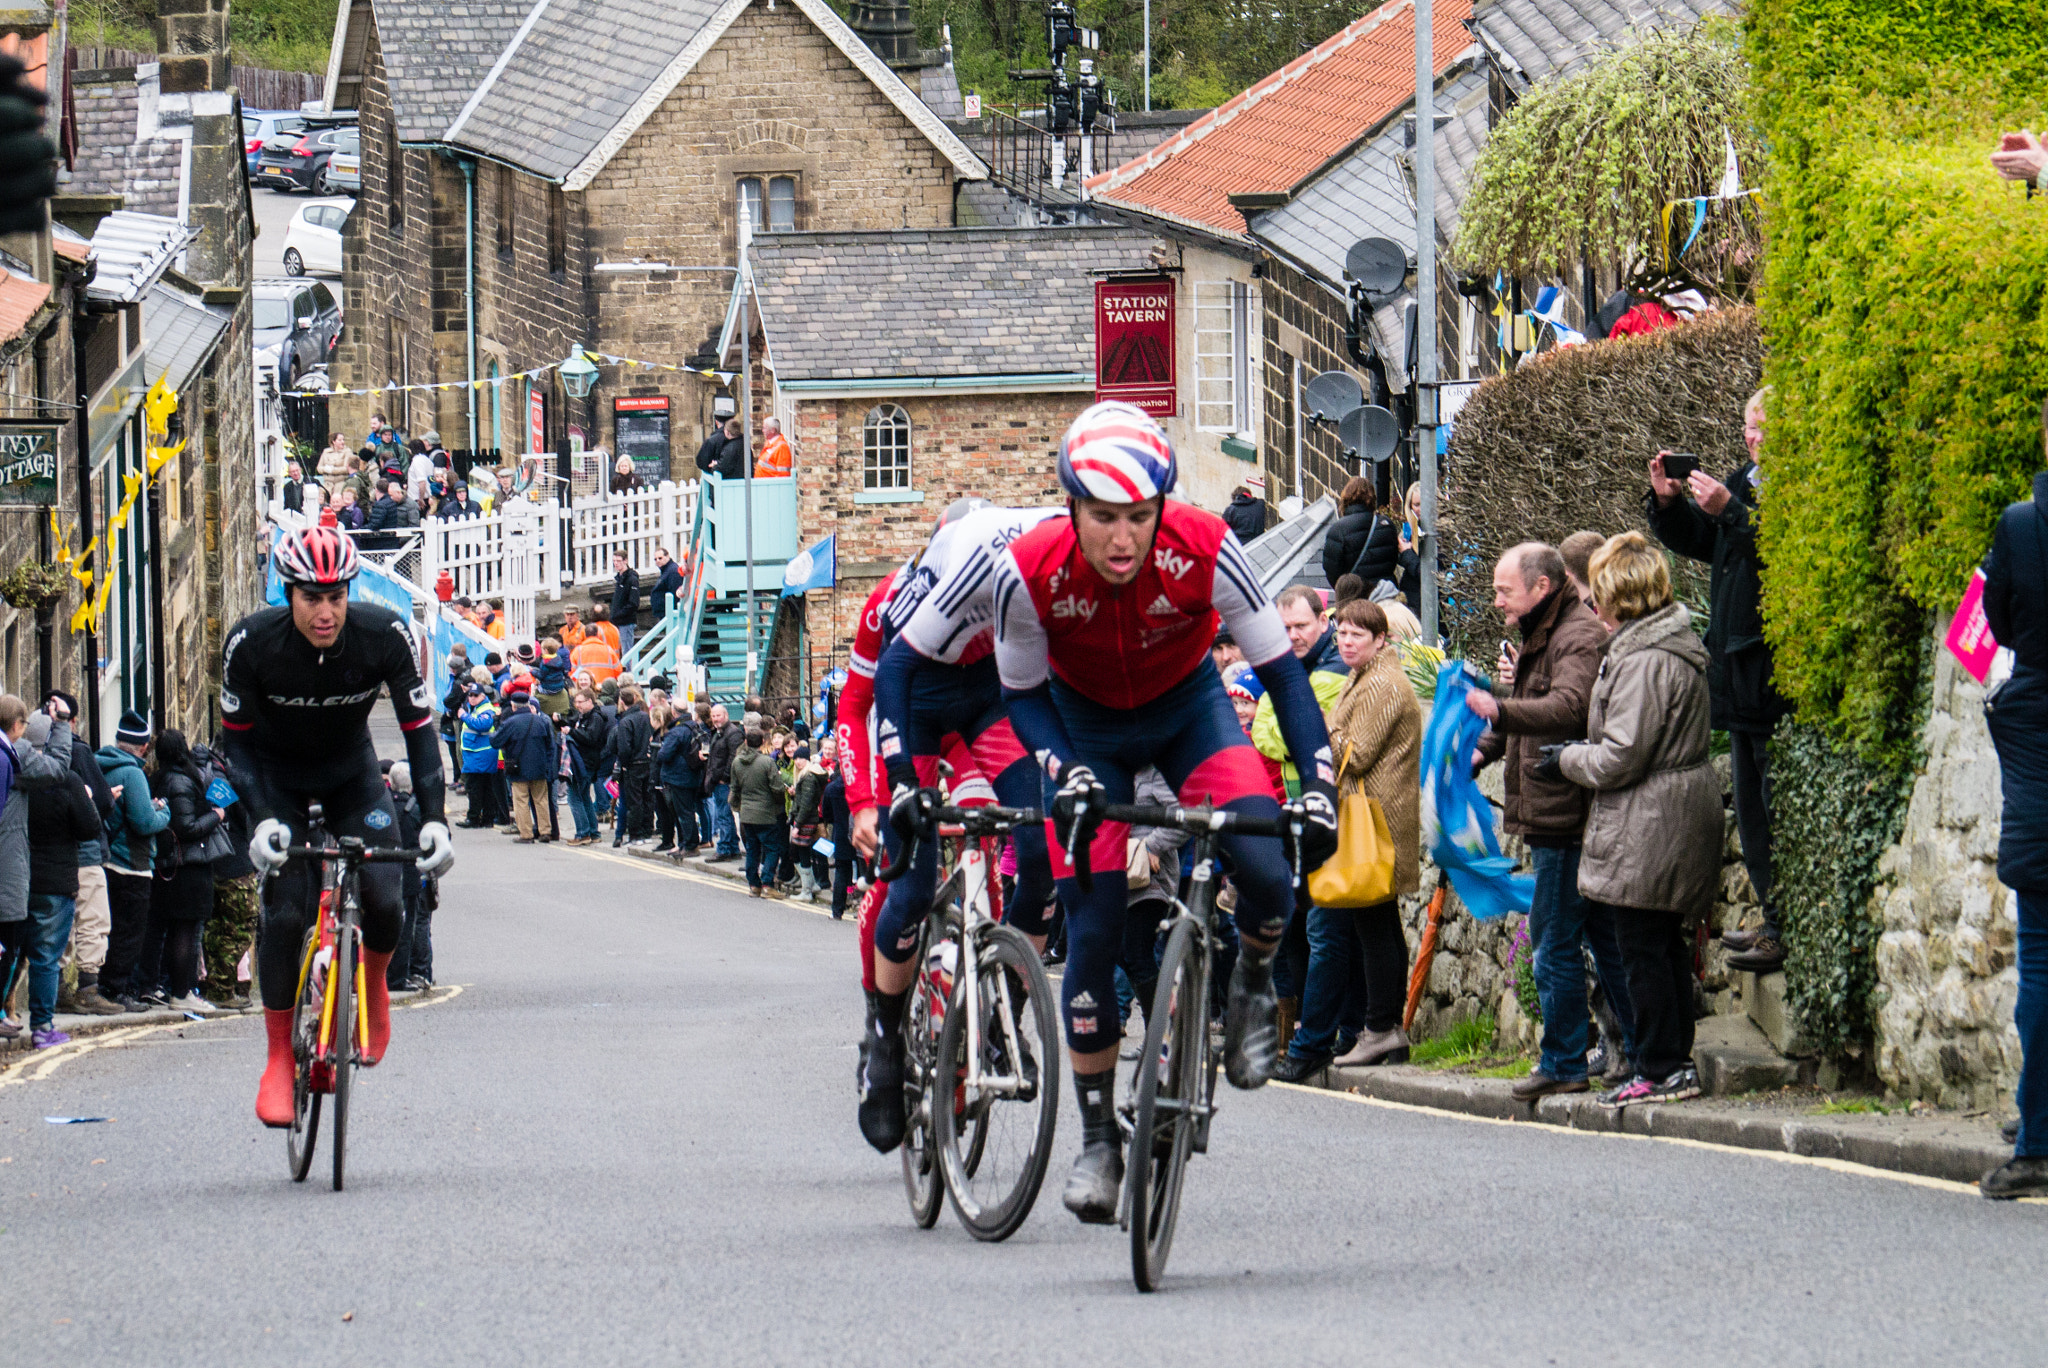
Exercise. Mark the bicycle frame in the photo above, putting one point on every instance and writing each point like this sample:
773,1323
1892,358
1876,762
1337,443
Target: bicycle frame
972,873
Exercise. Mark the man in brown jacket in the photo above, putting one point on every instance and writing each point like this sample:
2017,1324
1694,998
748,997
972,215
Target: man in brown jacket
1562,646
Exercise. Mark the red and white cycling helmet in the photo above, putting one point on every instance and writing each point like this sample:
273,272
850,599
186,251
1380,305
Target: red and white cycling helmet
1116,453
320,557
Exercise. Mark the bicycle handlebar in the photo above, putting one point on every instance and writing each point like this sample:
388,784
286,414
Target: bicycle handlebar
982,820
361,854
1195,821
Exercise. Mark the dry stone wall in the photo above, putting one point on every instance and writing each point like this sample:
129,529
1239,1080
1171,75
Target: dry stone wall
1945,962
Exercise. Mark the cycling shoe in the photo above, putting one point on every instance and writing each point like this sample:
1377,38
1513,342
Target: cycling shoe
274,1102
1097,1182
1251,1037
881,1090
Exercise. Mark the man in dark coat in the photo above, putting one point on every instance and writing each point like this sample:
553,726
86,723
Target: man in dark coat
293,491
722,745
2016,605
669,578
1246,515
632,754
1563,645
679,763
724,452
625,605
527,741
1718,526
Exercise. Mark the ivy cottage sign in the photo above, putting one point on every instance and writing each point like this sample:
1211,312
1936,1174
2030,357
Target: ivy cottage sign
28,464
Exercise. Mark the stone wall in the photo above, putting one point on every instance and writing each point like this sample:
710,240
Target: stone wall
1945,961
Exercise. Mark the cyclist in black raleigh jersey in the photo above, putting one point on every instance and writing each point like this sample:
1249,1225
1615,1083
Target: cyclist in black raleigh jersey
299,683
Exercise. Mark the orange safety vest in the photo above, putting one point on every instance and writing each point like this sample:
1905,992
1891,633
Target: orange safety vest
595,656
775,458
608,634
574,635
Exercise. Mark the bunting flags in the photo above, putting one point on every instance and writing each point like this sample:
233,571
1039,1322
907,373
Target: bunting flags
537,373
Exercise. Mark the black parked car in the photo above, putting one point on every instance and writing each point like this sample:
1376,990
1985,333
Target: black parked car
297,323
297,159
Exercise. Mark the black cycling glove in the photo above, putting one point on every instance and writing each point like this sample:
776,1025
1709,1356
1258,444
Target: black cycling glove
1319,832
1080,798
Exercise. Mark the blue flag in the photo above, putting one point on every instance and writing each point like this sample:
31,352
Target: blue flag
816,567
1457,821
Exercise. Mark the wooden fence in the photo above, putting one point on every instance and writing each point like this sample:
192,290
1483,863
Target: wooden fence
261,87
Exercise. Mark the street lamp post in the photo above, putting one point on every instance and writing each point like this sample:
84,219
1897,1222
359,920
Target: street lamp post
1425,313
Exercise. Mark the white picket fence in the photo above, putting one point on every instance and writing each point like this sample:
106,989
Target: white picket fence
473,552
636,524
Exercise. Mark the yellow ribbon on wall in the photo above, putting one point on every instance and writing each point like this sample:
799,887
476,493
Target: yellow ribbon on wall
157,407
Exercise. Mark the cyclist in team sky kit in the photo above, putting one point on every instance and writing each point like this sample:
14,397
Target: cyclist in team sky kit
937,678
1103,623
299,683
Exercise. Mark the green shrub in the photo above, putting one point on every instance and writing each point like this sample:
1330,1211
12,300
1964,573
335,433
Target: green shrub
1905,308
1833,814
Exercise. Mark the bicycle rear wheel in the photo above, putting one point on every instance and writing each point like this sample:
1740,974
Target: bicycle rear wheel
346,947
921,1181
1166,1094
994,1142
305,1127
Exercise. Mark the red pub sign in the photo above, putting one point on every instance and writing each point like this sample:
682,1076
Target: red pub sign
1134,343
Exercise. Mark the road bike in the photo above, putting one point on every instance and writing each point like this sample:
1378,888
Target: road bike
330,1018
981,1061
1172,1099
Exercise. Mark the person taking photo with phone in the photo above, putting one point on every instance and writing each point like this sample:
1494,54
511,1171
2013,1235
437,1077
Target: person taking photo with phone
1711,520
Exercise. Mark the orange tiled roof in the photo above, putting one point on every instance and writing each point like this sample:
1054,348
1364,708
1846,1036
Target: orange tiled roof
75,251
1272,136
20,297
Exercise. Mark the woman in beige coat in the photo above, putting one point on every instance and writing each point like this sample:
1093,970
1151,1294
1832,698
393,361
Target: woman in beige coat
1653,835
1376,738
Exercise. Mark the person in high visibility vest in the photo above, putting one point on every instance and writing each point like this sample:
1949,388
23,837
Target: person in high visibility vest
597,656
602,630
573,630
775,459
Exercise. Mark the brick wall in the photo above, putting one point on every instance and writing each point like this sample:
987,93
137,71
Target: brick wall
1001,447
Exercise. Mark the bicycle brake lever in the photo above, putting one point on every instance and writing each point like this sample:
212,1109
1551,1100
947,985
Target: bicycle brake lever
1084,876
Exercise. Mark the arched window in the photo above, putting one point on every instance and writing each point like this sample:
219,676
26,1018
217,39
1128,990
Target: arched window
885,448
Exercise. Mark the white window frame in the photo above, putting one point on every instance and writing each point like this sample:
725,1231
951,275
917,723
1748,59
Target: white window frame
885,437
1223,356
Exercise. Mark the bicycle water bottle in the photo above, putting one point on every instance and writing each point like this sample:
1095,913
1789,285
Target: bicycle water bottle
939,966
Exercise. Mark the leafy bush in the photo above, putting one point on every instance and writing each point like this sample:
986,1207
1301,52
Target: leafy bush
1562,443
1581,168
1834,814
1905,307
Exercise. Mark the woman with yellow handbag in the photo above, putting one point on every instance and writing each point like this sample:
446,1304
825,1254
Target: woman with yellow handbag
1356,949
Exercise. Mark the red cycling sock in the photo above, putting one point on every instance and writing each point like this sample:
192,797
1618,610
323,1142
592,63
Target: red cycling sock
377,997
274,1095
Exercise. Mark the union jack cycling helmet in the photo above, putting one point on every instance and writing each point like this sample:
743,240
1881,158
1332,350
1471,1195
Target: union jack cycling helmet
318,556
1116,453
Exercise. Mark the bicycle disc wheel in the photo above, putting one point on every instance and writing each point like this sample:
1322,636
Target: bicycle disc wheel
346,947
995,1141
305,1127
1163,1121
920,1049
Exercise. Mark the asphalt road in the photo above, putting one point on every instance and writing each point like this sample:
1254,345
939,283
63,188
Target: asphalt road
630,1139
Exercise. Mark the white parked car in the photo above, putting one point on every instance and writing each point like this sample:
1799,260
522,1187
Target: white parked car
312,241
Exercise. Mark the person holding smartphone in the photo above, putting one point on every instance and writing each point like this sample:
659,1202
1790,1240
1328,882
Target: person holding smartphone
1712,520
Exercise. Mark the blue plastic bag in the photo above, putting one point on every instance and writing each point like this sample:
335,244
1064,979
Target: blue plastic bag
1457,821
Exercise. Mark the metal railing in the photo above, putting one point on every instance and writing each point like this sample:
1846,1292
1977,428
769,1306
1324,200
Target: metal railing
1027,159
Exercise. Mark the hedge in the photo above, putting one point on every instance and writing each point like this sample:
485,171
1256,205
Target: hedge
1562,442
1905,312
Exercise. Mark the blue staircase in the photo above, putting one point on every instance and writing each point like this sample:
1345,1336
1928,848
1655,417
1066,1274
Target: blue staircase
722,643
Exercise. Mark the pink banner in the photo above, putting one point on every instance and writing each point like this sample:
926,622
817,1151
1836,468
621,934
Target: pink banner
1969,635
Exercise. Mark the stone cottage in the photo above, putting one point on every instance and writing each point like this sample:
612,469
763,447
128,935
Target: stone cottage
540,177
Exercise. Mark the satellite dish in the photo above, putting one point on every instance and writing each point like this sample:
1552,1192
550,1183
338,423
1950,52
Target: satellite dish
1379,264
1370,431
1331,395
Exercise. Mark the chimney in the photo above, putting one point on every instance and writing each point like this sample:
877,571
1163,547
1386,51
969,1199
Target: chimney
196,84
192,45
883,26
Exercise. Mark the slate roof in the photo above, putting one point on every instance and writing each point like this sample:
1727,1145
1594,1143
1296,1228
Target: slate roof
1283,128
178,333
1546,38
572,75
942,302
436,54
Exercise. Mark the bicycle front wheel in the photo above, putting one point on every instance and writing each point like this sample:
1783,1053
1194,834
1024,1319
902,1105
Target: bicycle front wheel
305,1127
995,1121
1166,1094
344,967
921,1182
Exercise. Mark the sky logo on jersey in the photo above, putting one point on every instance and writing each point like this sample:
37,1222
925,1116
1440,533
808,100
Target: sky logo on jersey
1074,606
1161,607
1173,564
